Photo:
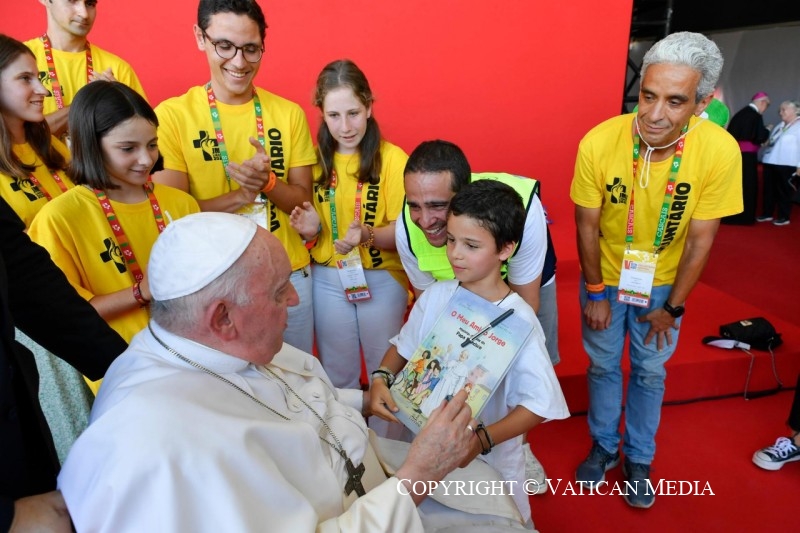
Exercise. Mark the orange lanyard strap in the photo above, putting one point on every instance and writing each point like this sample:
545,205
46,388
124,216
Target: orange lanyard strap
56,177
119,233
58,94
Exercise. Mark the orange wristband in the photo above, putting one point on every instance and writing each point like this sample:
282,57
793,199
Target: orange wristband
598,287
273,179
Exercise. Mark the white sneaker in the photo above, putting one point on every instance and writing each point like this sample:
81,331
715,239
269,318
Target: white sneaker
534,469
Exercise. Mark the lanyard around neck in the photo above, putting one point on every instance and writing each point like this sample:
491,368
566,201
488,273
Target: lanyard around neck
119,233
668,191
56,178
354,473
223,149
332,204
777,132
58,94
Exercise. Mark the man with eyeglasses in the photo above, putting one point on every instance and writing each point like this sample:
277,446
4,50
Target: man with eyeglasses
240,149
66,61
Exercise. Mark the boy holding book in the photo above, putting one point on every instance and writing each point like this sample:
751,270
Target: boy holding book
484,225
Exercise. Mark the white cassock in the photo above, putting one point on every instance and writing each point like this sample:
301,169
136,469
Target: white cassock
171,448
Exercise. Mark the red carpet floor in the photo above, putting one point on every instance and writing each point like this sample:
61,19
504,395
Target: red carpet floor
708,442
753,271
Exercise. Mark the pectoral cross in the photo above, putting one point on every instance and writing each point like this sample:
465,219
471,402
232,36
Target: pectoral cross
354,475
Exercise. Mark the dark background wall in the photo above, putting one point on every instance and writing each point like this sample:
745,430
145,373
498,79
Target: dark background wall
760,42
709,15
715,15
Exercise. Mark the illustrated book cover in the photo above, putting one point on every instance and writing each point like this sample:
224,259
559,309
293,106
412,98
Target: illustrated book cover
472,345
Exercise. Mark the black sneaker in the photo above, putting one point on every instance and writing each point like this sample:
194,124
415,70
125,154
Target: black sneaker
764,218
774,457
593,469
639,492
781,222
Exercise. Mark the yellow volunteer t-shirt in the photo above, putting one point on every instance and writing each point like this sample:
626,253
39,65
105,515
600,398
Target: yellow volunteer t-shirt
25,198
71,71
75,231
187,141
708,186
381,204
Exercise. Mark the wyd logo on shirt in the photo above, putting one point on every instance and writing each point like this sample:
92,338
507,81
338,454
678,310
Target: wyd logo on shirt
113,253
44,79
618,192
27,188
323,194
208,144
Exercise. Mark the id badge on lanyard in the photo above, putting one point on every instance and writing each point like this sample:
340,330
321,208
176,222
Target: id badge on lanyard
351,274
350,267
636,277
638,269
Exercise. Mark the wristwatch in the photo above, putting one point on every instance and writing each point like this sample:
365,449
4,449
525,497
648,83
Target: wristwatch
676,311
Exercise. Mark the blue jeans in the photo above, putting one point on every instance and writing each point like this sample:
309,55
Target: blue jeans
548,318
646,386
300,323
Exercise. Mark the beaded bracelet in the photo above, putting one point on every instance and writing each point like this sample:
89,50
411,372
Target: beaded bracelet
369,242
385,375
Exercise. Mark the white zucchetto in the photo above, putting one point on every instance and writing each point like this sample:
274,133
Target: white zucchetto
194,251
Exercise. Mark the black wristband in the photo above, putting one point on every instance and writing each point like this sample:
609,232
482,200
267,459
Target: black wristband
487,447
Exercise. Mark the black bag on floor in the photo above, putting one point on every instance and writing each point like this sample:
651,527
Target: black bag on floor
758,332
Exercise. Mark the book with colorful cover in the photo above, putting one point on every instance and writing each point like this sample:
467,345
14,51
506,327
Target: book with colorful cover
451,357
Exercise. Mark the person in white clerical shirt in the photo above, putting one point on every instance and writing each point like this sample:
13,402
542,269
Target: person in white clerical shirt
208,422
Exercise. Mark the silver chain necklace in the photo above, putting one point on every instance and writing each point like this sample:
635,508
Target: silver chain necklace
354,473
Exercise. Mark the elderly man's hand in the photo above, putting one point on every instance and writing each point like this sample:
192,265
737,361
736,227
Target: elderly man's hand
43,512
444,443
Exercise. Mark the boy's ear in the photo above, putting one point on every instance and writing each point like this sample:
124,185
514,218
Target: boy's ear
506,250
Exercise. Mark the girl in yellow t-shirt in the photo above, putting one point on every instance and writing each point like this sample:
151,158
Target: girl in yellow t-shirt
32,165
358,195
32,162
100,233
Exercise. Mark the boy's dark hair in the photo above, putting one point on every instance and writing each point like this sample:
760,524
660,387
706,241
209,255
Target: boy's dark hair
98,108
495,206
440,156
250,8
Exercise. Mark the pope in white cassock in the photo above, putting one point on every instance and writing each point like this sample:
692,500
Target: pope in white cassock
208,422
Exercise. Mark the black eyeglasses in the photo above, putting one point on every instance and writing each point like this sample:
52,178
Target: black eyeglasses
227,50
